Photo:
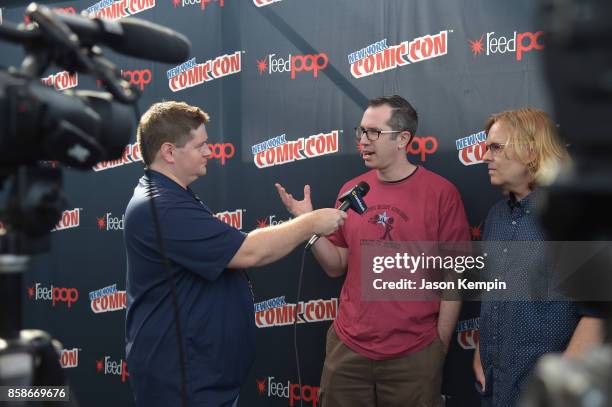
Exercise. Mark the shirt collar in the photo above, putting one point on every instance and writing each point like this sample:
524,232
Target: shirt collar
528,203
163,180
167,182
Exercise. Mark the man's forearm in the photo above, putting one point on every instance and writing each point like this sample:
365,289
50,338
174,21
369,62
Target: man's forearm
329,257
447,320
272,244
588,334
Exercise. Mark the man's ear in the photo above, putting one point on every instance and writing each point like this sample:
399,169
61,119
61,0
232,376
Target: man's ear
166,153
405,138
531,156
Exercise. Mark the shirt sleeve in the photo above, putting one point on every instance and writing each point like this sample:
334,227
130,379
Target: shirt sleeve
197,241
453,221
593,309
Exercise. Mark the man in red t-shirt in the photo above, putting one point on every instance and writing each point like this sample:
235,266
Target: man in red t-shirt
387,353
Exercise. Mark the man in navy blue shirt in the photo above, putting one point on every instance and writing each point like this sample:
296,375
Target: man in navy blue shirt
523,151
215,303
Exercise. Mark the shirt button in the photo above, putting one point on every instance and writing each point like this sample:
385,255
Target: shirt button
505,250
527,211
514,222
495,307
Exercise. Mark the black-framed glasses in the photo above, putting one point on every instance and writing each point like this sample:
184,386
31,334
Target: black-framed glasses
372,134
496,148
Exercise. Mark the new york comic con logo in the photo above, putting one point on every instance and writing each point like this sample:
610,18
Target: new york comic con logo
517,44
471,149
190,73
278,151
269,387
468,333
70,219
310,63
115,10
276,312
263,3
69,358
232,218
108,366
380,57
61,80
201,3
56,295
107,299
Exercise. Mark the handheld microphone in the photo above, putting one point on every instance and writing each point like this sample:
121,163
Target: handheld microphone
351,199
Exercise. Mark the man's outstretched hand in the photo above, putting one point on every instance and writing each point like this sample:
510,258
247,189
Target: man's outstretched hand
295,207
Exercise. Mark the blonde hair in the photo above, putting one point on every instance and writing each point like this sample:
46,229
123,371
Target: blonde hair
533,138
167,122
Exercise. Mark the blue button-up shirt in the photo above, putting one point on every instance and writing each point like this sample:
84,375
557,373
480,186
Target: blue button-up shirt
514,334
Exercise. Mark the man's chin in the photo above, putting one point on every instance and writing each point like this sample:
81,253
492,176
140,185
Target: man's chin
495,182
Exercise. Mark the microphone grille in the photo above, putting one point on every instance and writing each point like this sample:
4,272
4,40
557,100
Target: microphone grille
363,188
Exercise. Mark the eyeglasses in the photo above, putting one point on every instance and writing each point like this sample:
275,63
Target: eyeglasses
372,134
496,148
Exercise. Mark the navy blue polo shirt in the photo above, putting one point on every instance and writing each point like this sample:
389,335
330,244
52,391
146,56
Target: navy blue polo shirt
215,303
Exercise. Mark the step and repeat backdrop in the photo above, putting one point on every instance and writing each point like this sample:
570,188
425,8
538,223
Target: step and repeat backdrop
285,82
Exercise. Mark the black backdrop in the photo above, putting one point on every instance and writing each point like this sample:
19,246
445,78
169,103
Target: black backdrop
283,68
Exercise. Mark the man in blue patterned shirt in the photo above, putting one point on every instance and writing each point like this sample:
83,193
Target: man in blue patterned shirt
523,151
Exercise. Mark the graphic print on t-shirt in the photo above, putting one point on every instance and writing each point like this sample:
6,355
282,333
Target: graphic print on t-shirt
386,217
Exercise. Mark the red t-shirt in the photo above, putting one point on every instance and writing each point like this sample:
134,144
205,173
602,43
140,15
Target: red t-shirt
422,207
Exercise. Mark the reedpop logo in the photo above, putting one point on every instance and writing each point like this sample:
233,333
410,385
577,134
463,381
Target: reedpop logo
419,146
293,64
53,294
270,221
518,44
291,391
107,366
201,3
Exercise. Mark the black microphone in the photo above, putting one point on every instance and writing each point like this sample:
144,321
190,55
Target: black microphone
351,199
130,36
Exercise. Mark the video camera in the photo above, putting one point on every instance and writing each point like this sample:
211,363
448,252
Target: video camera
41,128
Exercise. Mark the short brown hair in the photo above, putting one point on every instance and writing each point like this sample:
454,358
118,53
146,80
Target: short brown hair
167,122
533,131
403,116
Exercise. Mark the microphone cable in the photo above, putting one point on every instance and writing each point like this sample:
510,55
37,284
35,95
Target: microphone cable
295,322
166,266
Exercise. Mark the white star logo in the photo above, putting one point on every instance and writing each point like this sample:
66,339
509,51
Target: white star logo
382,218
